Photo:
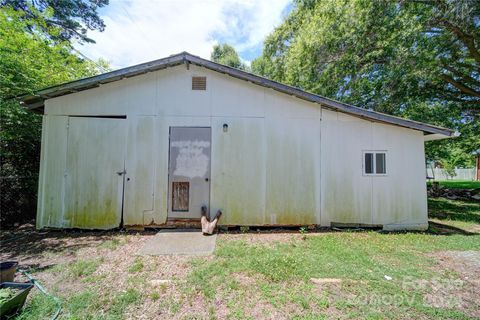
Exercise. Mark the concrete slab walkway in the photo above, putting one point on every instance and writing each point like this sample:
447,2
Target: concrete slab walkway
179,242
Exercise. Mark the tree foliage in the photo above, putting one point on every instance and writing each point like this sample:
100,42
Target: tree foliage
70,18
225,54
454,28
415,59
28,61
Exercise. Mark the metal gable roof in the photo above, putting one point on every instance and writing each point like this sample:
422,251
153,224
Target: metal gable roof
37,100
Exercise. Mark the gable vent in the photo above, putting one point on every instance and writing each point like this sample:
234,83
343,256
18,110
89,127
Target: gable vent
199,83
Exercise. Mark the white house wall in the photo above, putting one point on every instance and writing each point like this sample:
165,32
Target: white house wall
396,200
401,198
140,164
266,169
293,171
238,170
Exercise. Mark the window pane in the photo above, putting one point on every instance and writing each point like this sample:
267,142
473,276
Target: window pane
368,163
380,163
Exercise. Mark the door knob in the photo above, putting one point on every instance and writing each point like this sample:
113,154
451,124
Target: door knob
206,179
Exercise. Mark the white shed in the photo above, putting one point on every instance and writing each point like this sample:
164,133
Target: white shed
150,144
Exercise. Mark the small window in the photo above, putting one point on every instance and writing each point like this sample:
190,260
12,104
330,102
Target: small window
375,163
380,163
369,163
199,83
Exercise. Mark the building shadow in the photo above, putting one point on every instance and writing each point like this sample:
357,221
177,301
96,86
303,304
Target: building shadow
29,244
446,229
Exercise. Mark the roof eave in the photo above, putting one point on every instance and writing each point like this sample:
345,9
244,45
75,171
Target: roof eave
37,101
327,103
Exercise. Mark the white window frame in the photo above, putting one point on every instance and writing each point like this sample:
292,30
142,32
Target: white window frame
374,163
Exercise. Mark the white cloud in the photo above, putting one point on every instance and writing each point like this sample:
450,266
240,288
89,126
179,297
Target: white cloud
143,30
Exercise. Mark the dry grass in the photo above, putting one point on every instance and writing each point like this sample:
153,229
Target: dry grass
266,275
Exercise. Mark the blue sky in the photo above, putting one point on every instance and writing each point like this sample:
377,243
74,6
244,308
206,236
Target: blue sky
143,30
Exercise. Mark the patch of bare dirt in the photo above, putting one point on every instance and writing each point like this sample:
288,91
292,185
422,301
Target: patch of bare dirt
244,279
267,239
42,250
462,292
159,279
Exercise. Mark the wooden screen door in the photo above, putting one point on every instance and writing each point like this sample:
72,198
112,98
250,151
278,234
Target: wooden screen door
189,171
95,172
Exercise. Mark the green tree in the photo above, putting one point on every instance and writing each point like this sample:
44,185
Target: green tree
407,58
70,18
28,61
454,31
225,54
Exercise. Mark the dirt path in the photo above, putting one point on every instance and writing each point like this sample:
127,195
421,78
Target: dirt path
464,291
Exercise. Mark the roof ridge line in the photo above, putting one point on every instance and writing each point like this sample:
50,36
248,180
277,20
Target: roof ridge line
37,100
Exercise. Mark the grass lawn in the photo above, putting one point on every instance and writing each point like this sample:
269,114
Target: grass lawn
368,275
459,184
456,213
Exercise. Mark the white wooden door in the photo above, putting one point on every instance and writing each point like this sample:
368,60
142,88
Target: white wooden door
95,172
